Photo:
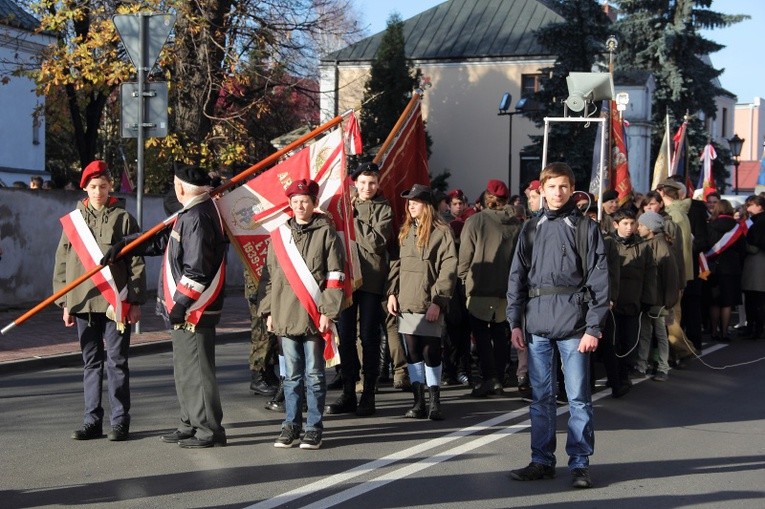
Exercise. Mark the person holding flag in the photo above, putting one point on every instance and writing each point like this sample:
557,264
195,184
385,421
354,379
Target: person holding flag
303,295
103,306
190,299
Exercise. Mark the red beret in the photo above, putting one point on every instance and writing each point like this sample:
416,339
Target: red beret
303,186
533,185
497,188
95,169
457,193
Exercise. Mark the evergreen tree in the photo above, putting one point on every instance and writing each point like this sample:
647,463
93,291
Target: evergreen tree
663,37
579,42
389,88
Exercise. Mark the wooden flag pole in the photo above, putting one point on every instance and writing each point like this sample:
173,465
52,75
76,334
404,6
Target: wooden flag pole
167,222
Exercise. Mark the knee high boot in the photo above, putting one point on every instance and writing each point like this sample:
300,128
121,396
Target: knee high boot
434,413
366,406
277,402
418,411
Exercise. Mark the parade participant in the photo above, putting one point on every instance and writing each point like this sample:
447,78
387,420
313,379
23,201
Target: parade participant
190,299
485,252
421,283
373,221
609,206
533,198
652,322
564,299
263,345
305,263
753,276
637,292
102,316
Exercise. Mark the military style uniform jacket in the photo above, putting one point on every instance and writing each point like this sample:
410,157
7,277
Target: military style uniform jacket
421,277
667,291
373,220
322,250
487,243
637,275
195,248
108,225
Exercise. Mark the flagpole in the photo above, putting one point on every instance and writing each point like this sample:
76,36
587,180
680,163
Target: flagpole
669,144
416,96
165,223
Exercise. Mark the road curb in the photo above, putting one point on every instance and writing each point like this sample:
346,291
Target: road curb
74,358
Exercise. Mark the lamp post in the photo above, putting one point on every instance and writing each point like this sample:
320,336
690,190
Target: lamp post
735,145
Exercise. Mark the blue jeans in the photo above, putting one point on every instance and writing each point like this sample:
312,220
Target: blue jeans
103,346
366,309
304,356
543,377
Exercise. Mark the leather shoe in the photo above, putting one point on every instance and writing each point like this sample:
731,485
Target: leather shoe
88,432
200,443
176,436
119,433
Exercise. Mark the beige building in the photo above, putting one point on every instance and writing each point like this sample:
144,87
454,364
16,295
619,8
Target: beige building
472,53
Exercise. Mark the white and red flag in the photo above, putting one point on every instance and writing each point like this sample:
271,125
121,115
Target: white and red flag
252,212
708,179
352,135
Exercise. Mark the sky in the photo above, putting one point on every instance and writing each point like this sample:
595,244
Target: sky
744,73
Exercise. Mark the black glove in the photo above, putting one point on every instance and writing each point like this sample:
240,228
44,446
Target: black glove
178,314
112,254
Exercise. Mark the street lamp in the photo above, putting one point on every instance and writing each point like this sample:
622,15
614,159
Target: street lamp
522,106
735,145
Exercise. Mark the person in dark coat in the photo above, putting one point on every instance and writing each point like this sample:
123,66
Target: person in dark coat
724,283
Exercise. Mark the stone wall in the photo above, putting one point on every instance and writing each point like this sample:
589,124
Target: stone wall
30,231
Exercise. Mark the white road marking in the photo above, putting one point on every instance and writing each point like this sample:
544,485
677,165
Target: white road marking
408,470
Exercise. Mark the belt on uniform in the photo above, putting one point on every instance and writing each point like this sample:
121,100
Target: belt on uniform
556,290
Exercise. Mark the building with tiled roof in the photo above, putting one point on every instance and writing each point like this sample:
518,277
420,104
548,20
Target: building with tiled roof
473,52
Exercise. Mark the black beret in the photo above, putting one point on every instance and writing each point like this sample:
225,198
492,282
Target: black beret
193,175
370,166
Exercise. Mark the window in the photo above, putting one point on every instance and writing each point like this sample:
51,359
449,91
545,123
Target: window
724,132
529,84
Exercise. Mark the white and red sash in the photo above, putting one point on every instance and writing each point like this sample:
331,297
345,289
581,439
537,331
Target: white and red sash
721,245
84,244
305,286
203,296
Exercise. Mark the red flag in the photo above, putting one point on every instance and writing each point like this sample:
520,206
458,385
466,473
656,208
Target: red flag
620,171
403,160
352,136
126,186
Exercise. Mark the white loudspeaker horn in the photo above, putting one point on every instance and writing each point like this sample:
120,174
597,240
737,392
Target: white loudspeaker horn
584,87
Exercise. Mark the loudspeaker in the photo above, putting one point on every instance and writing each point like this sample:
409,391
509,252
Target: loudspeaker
584,87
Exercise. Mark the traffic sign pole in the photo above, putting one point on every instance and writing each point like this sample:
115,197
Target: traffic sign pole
143,44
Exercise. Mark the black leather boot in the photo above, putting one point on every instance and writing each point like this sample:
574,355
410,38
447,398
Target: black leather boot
276,403
366,406
434,412
346,402
418,411
260,385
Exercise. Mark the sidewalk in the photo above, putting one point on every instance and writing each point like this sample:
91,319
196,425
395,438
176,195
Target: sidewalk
43,339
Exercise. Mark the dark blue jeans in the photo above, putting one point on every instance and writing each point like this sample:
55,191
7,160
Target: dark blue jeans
98,336
580,443
365,310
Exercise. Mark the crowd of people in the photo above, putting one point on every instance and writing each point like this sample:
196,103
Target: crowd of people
564,280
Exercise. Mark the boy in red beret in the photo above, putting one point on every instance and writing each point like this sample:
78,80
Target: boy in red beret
303,294
102,317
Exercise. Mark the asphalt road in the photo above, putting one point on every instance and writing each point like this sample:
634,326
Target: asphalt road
696,441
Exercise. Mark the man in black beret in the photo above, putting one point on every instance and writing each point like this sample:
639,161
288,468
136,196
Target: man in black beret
190,296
